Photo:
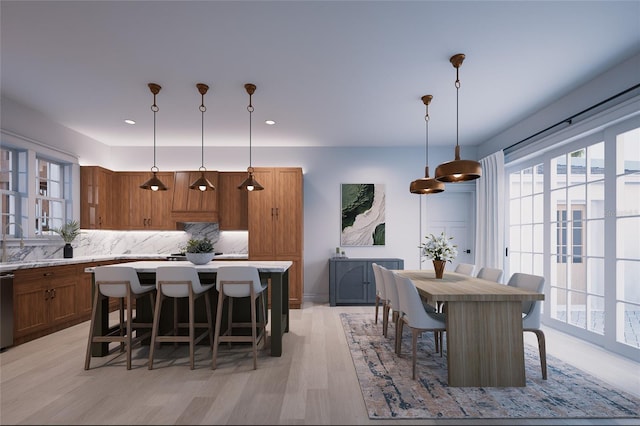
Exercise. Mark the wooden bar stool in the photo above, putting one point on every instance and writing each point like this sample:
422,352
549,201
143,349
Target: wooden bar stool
233,282
120,282
179,282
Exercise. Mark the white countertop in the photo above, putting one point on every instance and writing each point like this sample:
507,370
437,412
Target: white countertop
262,265
12,266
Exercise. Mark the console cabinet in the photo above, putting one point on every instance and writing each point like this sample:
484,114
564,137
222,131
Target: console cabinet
351,281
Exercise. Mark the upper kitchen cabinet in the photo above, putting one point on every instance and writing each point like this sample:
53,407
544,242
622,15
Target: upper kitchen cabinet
96,198
142,208
233,203
191,205
276,225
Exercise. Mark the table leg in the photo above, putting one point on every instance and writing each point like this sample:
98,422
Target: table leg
485,346
279,310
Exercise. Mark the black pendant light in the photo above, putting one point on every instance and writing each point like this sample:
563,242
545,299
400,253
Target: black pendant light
250,183
154,184
426,185
458,170
202,183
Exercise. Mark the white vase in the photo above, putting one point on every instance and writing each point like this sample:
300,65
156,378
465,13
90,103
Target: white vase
199,258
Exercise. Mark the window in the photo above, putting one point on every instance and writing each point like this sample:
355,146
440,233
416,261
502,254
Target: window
577,199
13,178
50,200
627,216
588,238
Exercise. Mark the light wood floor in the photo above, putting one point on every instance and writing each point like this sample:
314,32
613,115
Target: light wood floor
314,382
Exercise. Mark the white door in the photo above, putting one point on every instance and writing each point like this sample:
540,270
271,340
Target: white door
453,213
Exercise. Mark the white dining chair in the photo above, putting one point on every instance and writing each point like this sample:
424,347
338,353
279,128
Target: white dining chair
119,282
393,303
531,312
238,282
491,274
381,297
416,317
179,282
465,268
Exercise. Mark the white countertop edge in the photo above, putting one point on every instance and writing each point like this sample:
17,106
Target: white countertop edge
12,266
262,265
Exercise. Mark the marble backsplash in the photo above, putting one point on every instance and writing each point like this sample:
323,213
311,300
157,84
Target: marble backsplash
104,242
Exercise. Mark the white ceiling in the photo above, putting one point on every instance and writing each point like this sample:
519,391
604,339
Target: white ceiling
330,73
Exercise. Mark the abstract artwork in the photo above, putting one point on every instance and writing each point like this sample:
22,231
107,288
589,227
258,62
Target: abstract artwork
363,215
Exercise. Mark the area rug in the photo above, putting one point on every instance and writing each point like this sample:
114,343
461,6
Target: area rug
390,392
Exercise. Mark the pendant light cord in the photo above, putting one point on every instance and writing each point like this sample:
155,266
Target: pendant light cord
155,109
250,109
457,84
426,143
202,110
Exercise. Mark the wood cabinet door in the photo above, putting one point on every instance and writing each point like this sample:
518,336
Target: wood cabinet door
233,203
145,209
96,198
160,202
62,294
288,214
30,299
261,213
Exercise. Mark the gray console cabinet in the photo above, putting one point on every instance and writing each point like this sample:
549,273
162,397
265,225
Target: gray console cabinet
351,281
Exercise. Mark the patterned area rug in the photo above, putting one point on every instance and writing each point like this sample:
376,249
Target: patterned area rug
389,391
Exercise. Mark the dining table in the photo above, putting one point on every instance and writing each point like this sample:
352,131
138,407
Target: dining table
277,273
484,340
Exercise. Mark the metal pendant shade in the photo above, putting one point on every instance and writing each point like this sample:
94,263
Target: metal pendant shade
458,170
154,184
250,183
202,183
426,185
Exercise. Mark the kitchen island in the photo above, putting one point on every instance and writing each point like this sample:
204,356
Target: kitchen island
276,271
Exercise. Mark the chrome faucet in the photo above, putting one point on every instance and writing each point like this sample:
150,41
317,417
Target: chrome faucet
4,239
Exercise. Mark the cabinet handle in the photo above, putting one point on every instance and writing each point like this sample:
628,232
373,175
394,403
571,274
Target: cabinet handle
53,293
47,274
46,295
277,211
149,222
144,221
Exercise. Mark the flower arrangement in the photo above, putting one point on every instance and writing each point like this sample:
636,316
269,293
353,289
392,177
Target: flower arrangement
439,248
69,231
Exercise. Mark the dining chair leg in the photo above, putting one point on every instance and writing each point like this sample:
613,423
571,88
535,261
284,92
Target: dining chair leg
542,350
414,351
441,335
253,328
399,337
154,327
207,303
129,326
230,318
385,319
121,325
94,311
191,329
216,334
377,302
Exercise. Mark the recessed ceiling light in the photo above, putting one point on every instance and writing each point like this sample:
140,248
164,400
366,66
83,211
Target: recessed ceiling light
270,122
129,121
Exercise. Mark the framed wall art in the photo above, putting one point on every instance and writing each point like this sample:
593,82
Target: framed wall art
363,214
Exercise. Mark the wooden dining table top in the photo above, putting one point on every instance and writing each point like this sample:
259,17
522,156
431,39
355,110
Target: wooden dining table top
455,287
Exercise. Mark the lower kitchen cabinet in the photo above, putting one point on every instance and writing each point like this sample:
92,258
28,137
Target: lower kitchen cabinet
49,299
44,301
351,281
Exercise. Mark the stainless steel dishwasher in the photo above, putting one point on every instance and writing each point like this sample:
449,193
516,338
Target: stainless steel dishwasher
6,310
